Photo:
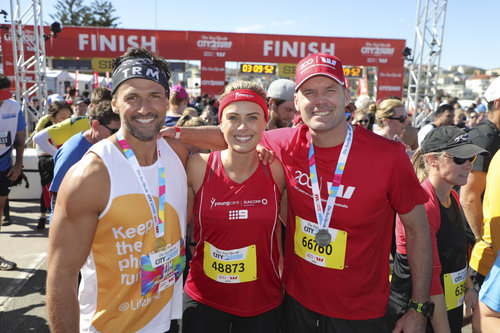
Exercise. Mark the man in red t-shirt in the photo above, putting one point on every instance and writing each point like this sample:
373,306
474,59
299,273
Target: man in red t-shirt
340,219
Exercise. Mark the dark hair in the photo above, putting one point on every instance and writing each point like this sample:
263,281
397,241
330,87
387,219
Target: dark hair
103,113
140,52
100,94
491,106
70,90
442,108
57,106
4,82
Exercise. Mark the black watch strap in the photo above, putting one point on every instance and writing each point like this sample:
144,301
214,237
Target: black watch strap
427,308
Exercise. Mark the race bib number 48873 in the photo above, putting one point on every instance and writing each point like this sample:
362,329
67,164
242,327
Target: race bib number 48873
330,256
230,266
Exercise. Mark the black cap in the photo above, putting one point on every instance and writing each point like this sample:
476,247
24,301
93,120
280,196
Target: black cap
452,140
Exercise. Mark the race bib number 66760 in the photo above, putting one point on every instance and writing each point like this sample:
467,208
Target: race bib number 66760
305,246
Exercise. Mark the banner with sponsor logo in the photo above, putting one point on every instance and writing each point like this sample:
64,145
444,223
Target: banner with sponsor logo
219,47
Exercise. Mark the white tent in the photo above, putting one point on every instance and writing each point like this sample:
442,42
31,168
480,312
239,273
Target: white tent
58,80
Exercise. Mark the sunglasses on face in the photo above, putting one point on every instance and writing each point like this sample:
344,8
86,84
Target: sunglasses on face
363,121
460,161
401,119
111,130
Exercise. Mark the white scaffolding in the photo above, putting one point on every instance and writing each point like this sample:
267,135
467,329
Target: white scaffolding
424,64
27,34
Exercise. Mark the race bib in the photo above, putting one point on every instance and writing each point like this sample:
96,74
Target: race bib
160,269
5,140
230,266
454,289
330,256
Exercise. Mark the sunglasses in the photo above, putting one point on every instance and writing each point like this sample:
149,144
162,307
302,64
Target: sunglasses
460,161
112,130
363,121
401,119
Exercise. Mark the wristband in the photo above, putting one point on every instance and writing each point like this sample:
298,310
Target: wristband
177,132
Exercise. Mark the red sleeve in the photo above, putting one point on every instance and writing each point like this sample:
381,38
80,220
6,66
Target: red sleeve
405,191
434,217
434,220
277,139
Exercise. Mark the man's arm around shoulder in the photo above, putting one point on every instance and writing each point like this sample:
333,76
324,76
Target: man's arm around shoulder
83,195
419,252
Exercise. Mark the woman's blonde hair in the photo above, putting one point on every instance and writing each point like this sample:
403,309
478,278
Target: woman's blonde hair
421,165
237,85
385,109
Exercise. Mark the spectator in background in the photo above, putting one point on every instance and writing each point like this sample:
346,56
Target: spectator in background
103,123
178,102
58,111
391,117
460,119
362,104
51,138
80,107
361,117
485,227
487,136
472,119
443,161
410,135
70,95
442,117
280,101
12,136
208,115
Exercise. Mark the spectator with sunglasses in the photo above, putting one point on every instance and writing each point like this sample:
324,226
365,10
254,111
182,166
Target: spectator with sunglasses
361,118
443,116
391,117
472,119
444,160
103,123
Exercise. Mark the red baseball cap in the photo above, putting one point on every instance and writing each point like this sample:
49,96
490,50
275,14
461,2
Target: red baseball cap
319,64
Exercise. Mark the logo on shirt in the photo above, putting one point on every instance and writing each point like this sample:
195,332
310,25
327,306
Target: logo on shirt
303,179
240,214
215,203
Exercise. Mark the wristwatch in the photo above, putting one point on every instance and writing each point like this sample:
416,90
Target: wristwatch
427,309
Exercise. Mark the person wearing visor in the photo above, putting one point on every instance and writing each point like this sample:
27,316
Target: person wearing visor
443,161
234,282
280,100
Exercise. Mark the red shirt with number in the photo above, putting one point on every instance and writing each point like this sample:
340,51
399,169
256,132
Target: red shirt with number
230,216
377,182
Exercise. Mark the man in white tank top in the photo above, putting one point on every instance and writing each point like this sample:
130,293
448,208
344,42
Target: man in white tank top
121,215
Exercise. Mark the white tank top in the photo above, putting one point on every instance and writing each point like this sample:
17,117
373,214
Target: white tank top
118,288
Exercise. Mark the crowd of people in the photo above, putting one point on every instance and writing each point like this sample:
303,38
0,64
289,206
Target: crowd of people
287,210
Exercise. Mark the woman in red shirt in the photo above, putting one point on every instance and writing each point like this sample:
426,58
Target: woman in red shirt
234,282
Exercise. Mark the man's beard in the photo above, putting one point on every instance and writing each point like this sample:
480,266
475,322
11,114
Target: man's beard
140,135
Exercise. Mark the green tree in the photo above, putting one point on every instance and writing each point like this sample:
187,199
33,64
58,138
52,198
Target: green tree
71,12
76,13
102,14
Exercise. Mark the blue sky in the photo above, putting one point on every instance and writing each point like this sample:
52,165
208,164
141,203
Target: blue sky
471,35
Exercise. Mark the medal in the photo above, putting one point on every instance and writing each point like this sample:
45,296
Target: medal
160,245
323,237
